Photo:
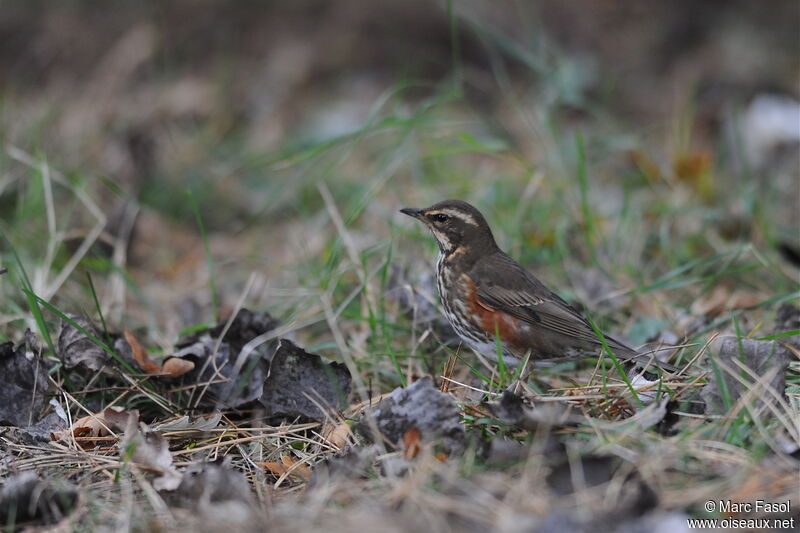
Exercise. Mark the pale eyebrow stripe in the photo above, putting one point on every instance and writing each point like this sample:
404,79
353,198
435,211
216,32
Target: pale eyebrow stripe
469,219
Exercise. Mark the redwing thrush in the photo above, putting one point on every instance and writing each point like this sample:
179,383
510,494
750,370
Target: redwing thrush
486,295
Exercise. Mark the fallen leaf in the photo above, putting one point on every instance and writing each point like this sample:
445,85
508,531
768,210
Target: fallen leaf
337,435
411,443
150,449
301,469
140,355
301,472
175,366
117,417
184,423
760,357
172,367
722,299
422,406
95,426
75,348
235,366
301,384
24,387
89,426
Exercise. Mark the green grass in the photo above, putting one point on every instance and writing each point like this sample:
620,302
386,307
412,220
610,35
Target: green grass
317,221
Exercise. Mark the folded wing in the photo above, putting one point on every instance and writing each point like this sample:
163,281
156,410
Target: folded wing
521,295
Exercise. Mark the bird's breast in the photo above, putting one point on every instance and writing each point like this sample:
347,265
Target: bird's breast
477,324
454,297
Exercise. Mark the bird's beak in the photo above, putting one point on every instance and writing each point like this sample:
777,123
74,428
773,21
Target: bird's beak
412,212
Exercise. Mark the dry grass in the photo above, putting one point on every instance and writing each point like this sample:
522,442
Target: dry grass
659,230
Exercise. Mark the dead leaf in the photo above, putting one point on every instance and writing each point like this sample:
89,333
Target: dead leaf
175,366
411,443
95,426
302,384
150,449
300,472
184,423
117,417
22,394
172,367
337,435
75,348
235,368
422,406
276,468
140,355
722,299
766,360
90,426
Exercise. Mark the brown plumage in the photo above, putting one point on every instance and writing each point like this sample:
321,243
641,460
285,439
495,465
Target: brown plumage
486,294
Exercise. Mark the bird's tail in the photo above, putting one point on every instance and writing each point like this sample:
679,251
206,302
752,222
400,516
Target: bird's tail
649,361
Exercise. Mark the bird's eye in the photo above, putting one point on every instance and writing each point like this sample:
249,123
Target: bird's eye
440,217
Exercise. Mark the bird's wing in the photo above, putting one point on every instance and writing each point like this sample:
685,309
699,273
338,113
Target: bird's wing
516,292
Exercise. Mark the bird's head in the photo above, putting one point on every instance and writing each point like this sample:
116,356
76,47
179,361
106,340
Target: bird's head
456,225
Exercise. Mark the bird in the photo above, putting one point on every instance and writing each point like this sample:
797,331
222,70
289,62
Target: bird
495,305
